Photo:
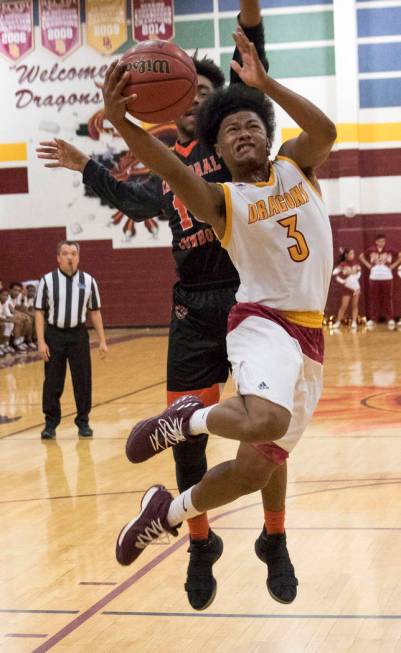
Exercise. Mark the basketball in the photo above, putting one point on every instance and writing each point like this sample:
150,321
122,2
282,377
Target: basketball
163,76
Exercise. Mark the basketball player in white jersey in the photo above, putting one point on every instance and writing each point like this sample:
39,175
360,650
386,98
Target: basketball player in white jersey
272,220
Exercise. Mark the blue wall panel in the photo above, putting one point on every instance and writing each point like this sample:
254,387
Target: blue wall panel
379,22
380,93
232,5
377,57
193,6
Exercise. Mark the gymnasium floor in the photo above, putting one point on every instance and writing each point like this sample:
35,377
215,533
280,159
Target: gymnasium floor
63,503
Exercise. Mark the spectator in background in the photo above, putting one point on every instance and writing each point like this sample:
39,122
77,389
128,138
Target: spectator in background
6,323
347,273
29,305
23,341
381,260
29,299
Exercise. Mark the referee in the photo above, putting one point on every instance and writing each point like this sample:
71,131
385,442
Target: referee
63,298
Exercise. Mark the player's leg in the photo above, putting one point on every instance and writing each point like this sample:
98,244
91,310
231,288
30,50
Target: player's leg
231,479
249,472
271,545
197,365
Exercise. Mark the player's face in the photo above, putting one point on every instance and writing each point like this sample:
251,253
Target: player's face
242,142
186,124
351,255
380,242
68,259
3,296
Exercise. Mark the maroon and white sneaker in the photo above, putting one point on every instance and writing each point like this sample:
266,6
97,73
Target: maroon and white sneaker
153,435
146,527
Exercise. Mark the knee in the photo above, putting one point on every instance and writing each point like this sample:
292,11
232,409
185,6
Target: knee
272,425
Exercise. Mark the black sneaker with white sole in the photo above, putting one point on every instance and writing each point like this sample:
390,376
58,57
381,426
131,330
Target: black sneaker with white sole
281,580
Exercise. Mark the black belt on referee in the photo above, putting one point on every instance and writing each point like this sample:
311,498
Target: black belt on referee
66,329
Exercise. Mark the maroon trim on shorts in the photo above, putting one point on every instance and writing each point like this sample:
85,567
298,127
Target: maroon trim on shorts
310,340
272,452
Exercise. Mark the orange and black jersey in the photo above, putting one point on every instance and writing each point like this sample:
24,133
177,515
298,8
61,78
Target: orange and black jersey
200,259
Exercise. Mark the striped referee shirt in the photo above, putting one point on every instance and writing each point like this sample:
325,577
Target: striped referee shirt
65,299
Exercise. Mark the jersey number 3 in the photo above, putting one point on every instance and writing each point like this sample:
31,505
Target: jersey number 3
185,220
300,251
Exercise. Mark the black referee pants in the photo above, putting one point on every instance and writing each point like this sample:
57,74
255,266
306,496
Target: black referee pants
70,345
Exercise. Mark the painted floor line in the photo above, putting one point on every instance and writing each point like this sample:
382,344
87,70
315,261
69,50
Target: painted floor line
17,611
38,635
225,615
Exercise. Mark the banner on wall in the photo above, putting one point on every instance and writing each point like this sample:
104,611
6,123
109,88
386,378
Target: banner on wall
106,25
60,26
152,19
16,29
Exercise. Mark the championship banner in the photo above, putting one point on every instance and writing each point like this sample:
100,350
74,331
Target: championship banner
16,29
60,26
106,24
152,19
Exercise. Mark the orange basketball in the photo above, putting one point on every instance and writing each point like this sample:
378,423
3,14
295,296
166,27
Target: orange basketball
164,78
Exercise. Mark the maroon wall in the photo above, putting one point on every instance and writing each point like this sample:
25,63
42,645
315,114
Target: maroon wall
135,284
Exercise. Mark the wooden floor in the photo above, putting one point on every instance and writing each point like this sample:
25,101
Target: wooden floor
62,504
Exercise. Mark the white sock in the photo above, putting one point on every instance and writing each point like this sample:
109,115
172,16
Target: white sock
181,508
197,423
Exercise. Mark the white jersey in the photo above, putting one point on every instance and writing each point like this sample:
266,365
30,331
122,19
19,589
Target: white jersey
278,236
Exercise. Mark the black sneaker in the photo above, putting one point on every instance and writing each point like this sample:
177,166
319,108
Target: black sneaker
85,431
281,580
48,433
201,586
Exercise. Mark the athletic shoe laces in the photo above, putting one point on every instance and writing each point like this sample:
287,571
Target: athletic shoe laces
150,533
167,433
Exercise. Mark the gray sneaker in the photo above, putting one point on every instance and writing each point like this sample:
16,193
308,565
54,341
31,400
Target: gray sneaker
146,527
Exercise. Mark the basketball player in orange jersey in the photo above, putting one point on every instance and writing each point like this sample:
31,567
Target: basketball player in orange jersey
273,223
202,299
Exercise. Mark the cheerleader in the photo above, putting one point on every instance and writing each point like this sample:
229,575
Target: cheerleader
347,273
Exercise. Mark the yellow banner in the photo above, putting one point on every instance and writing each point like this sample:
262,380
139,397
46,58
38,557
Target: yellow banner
106,24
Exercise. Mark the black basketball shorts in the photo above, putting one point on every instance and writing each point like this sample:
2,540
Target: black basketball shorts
197,353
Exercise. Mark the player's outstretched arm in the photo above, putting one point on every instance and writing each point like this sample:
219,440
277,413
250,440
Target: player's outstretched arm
312,147
139,201
251,22
204,200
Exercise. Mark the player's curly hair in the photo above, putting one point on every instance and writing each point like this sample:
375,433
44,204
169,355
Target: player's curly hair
209,69
233,99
